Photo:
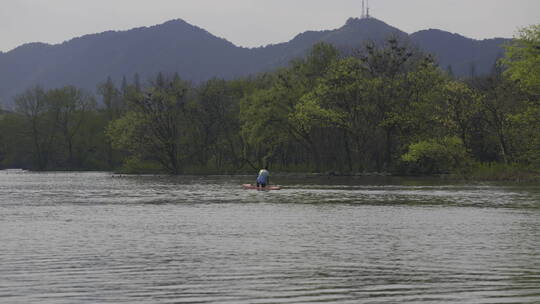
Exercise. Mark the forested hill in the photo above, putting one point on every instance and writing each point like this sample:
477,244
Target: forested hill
88,60
197,55
465,56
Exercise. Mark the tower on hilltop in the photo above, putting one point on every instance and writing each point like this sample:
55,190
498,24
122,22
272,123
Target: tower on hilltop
365,9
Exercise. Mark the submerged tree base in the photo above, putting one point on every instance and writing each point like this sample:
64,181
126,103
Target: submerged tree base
503,172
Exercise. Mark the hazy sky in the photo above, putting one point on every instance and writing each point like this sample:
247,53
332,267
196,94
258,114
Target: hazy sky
255,22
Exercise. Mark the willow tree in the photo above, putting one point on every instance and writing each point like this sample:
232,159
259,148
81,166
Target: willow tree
154,128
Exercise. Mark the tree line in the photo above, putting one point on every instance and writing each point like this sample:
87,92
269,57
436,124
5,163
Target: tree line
383,108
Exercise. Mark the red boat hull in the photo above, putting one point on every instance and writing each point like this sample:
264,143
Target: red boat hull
252,187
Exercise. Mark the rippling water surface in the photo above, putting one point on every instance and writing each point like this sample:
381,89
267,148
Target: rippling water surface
99,238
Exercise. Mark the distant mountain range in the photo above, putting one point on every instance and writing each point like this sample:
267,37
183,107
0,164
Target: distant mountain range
197,55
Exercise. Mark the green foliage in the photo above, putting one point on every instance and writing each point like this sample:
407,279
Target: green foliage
124,133
526,134
217,123
265,127
523,59
112,99
71,108
268,118
374,103
56,126
308,114
389,108
32,106
499,99
14,151
459,107
523,66
441,155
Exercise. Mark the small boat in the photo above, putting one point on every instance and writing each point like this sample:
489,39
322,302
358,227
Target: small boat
253,187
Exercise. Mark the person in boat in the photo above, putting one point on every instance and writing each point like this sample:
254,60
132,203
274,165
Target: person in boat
263,178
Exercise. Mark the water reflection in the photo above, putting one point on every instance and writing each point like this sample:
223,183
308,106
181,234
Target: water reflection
97,238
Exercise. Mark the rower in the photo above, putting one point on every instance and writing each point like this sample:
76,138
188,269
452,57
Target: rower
263,178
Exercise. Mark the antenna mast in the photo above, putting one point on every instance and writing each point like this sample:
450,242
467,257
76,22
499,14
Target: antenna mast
367,11
363,9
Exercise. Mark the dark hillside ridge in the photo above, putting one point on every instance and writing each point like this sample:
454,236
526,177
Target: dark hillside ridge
461,53
197,55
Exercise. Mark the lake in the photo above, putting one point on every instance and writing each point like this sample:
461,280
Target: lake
103,238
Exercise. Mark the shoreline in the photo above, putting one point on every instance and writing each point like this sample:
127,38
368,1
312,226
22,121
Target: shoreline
515,177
